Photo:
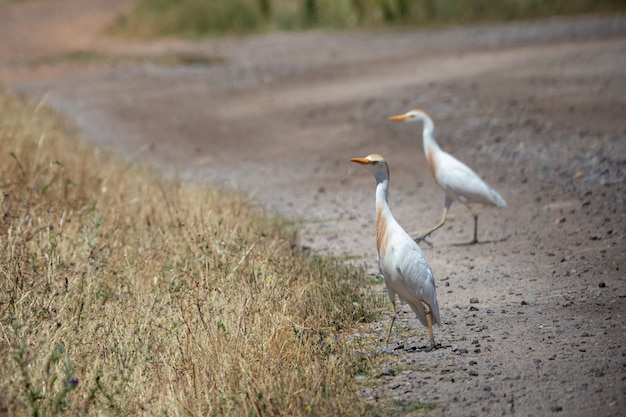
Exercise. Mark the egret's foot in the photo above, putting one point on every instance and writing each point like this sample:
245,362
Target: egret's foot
385,350
429,348
482,242
432,347
470,243
421,239
391,350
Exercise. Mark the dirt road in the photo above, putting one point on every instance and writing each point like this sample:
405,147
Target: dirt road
535,316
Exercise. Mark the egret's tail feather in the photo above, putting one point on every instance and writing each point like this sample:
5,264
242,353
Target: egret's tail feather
419,311
497,199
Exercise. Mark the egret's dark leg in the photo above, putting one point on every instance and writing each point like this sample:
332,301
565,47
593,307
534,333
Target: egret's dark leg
393,318
475,215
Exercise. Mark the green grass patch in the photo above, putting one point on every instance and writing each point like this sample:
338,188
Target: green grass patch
200,18
429,12
88,57
122,293
412,408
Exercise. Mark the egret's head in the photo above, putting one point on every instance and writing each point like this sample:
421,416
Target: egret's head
410,116
375,163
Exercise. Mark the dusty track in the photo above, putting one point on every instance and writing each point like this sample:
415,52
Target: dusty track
538,109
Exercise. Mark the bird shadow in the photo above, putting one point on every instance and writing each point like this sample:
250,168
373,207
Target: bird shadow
470,243
480,242
425,348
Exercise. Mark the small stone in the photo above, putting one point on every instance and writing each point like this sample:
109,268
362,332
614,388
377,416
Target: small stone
556,408
473,300
602,284
473,373
524,303
473,308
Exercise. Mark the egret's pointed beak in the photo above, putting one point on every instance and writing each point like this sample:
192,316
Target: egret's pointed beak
399,118
362,161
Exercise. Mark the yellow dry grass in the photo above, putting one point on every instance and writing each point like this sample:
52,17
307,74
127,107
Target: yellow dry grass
122,293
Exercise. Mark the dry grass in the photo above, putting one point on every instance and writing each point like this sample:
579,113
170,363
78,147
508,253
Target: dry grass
125,294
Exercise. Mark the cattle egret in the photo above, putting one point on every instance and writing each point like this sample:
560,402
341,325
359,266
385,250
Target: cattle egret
457,180
400,259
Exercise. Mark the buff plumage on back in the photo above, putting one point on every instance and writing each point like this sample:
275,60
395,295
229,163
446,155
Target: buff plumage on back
382,237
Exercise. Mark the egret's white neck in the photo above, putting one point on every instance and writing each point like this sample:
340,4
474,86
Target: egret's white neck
428,134
382,190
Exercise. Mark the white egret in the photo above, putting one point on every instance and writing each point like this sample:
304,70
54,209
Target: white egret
458,181
402,263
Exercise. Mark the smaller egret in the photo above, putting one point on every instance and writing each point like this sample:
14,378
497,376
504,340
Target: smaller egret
458,181
400,260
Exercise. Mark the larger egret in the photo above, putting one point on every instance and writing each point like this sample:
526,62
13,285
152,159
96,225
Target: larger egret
400,259
458,181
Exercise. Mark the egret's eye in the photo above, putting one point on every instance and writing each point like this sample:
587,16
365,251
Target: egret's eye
374,162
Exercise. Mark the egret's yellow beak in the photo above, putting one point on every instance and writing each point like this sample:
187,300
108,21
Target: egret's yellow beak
362,161
399,118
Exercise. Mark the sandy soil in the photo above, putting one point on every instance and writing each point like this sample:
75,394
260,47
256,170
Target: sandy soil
535,315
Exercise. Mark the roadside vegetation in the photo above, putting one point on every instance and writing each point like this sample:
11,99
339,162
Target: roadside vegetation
123,293
199,18
86,57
